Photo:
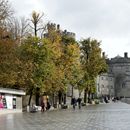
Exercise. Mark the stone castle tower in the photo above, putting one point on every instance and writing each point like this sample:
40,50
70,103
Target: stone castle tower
120,68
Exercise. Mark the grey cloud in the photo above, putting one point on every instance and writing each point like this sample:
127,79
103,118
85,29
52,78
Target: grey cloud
104,20
106,17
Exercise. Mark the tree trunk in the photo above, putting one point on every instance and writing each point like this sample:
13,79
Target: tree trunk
85,96
64,98
37,96
31,92
92,95
72,91
60,97
89,97
37,99
53,100
35,29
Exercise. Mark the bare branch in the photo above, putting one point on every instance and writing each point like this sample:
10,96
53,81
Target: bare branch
5,10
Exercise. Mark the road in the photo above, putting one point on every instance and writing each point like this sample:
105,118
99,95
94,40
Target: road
111,116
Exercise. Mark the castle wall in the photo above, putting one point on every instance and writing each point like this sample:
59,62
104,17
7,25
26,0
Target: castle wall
120,68
105,85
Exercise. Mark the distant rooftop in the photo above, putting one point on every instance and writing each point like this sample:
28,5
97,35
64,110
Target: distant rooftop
118,56
119,59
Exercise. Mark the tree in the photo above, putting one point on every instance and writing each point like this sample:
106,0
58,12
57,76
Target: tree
35,64
92,62
57,80
71,62
19,29
66,58
36,22
5,10
5,13
8,63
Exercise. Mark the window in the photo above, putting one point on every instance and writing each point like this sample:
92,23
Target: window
98,88
102,86
110,70
123,85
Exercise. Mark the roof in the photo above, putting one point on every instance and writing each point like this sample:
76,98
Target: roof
12,91
117,60
118,56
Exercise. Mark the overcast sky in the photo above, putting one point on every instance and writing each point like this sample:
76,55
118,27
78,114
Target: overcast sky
106,20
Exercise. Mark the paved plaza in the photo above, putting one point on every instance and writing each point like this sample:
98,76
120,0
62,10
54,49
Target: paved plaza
112,116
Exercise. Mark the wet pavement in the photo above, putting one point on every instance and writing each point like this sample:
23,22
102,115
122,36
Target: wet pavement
112,116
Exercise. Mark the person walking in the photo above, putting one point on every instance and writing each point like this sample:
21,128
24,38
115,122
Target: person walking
79,102
48,105
73,102
42,106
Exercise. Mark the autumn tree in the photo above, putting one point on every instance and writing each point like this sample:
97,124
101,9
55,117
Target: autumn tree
71,61
66,59
66,55
8,63
92,62
8,56
57,80
35,64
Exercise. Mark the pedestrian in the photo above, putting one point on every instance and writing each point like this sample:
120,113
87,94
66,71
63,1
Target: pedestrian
42,106
48,105
1,104
79,102
73,102
106,99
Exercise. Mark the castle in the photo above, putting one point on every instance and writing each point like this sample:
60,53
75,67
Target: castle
116,82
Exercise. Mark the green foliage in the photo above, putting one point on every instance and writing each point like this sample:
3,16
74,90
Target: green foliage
48,64
51,63
36,65
92,62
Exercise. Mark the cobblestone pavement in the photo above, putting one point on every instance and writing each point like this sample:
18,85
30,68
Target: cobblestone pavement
112,116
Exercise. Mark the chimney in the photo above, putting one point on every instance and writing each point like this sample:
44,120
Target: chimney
125,55
58,27
103,54
65,32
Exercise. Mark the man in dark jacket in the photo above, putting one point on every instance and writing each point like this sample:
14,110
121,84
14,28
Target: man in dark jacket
79,102
73,102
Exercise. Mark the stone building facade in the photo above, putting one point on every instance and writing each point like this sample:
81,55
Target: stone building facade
117,81
105,85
